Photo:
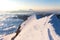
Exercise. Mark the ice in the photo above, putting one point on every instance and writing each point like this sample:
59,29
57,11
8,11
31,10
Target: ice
9,24
38,29
9,28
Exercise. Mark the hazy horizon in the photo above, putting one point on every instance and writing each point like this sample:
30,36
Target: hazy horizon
11,5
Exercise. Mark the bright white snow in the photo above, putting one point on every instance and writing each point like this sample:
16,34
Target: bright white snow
36,29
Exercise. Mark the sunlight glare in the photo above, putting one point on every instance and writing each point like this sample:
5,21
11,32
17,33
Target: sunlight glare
6,5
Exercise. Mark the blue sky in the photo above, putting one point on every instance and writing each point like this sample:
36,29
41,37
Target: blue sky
39,2
29,4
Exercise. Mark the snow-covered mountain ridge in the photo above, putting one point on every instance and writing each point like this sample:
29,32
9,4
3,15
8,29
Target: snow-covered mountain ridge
46,28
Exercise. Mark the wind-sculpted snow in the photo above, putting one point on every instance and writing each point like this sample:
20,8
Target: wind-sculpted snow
9,24
38,29
56,24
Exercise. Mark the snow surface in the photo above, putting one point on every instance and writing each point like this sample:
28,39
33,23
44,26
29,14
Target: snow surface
38,29
9,23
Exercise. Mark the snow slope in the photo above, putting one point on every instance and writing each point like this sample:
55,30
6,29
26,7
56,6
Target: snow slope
9,23
39,29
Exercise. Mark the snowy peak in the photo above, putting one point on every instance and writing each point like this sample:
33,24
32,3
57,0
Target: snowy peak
39,29
29,20
55,23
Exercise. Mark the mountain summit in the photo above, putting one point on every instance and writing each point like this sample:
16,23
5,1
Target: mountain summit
46,28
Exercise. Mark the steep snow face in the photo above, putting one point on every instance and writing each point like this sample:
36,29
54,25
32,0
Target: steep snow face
28,22
55,23
40,29
9,23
